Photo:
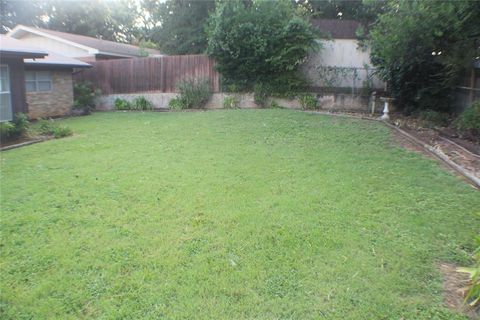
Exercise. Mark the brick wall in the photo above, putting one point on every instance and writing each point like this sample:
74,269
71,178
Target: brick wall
57,102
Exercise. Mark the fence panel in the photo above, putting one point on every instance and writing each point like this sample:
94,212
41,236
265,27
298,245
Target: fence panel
149,74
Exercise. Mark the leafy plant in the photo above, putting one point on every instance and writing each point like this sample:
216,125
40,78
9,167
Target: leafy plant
308,102
261,93
6,130
122,104
431,118
50,128
468,123
472,296
421,47
274,105
84,95
231,102
175,104
16,128
194,93
259,42
142,103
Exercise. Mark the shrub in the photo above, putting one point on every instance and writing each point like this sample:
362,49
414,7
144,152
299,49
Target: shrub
175,104
122,104
468,123
431,118
142,103
420,48
259,41
472,296
62,131
6,130
84,95
274,105
231,102
50,128
14,129
308,102
261,93
194,93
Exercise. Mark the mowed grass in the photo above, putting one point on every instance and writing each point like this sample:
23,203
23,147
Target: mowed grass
241,214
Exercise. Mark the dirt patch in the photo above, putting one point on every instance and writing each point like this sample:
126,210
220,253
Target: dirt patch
454,284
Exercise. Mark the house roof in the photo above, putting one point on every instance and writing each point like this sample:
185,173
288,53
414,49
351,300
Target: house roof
10,47
36,57
92,45
57,60
336,28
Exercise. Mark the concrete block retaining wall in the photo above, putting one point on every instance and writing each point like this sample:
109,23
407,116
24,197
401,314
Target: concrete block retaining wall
327,102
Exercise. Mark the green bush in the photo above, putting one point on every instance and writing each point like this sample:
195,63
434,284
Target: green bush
122,104
260,42
432,119
14,129
50,128
231,102
308,102
194,94
62,131
84,95
6,130
142,103
261,93
274,105
175,104
473,295
468,123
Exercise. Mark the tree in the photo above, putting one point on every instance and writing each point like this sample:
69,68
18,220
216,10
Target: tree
264,42
364,11
113,20
421,47
110,20
13,12
181,27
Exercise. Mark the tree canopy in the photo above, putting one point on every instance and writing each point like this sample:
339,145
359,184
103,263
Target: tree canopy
420,48
181,24
261,42
110,20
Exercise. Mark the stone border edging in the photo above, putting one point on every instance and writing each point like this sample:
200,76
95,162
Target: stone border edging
26,143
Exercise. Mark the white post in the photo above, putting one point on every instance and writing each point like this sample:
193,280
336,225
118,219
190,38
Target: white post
385,115
373,97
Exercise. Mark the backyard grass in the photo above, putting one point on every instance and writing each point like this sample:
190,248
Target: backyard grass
241,214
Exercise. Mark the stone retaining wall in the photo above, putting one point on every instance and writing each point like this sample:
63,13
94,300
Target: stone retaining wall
331,101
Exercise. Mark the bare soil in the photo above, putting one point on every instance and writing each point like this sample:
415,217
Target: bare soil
454,284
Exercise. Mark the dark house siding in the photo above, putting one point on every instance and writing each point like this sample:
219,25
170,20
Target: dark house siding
17,83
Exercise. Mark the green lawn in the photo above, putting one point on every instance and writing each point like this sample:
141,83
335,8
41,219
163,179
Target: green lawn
242,214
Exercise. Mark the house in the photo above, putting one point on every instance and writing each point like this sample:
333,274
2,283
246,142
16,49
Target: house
77,46
341,62
34,81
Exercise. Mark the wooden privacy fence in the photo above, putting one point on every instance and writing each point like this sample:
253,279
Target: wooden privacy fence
149,74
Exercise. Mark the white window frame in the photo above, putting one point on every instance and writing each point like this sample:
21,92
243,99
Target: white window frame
9,93
35,81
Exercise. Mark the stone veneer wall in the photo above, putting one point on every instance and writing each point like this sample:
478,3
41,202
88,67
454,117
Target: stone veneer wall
54,103
327,102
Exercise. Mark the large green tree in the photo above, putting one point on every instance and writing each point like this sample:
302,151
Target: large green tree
110,20
180,27
260,42
421,47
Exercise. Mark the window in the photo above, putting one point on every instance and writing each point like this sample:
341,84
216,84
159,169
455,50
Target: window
38,81
6,113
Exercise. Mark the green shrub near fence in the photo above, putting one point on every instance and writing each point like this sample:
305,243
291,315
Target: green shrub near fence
194,94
